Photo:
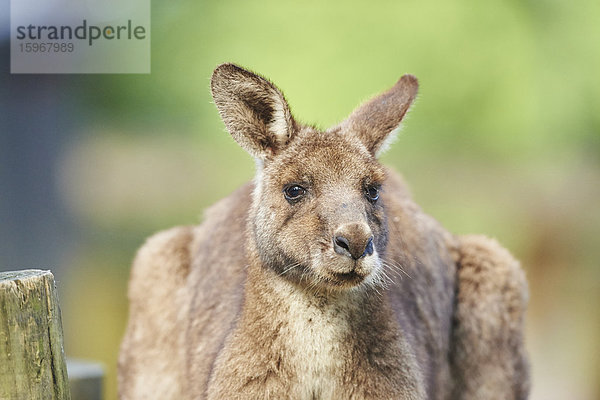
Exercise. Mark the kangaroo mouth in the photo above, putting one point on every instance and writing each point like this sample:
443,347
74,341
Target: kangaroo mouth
351,278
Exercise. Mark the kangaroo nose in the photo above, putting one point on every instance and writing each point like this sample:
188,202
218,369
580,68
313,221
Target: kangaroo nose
352,241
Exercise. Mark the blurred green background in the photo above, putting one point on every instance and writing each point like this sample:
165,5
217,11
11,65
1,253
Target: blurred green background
504,139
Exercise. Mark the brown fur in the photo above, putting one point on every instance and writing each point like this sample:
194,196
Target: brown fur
331,294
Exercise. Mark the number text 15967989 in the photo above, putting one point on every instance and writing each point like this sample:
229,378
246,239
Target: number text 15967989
46,47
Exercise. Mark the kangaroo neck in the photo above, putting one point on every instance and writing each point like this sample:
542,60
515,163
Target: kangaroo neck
319,339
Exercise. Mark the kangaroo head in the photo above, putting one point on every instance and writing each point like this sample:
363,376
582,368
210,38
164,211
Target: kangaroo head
317,217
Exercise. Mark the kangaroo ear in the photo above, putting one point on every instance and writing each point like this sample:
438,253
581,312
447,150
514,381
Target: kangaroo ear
374,121
253,110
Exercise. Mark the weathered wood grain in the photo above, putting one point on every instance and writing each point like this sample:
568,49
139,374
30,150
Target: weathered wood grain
32,359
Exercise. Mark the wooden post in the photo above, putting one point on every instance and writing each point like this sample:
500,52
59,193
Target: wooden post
32,359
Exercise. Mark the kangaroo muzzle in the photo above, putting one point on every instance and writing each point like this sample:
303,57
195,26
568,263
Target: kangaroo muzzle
354,240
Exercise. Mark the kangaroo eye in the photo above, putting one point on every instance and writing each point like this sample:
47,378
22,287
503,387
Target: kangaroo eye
372,193
294,192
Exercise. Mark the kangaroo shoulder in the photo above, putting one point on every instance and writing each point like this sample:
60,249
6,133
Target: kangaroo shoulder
164,257
490,276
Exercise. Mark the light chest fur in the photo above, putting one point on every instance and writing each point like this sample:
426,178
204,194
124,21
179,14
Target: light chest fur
316,332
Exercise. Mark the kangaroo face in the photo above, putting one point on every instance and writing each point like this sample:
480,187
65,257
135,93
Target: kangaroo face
317,216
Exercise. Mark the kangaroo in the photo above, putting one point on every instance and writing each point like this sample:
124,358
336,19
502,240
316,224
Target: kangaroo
321,279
